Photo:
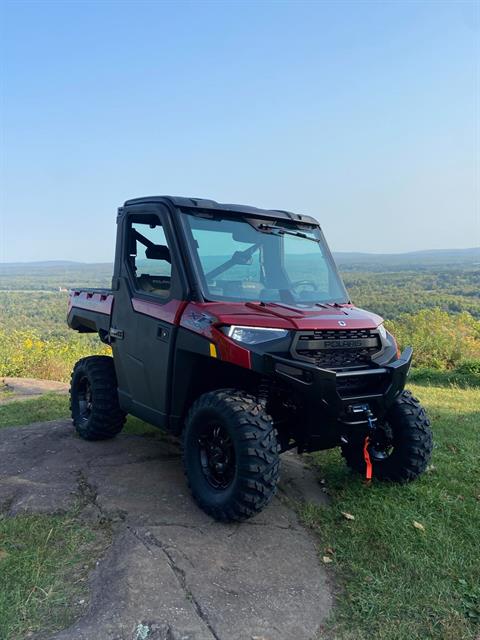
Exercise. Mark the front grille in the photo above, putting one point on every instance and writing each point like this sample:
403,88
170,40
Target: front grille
338,359
338,334
337,348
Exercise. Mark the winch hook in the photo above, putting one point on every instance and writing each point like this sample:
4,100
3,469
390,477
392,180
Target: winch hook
366,453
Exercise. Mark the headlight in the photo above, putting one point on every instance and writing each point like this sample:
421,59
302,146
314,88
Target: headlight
253,335
382,331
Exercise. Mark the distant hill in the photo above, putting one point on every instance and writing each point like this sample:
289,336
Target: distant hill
413,259
442,255
427,256
52,275
50,264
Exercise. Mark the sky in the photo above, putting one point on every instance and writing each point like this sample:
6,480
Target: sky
364,115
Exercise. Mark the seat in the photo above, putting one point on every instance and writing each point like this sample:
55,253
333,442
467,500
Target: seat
156,285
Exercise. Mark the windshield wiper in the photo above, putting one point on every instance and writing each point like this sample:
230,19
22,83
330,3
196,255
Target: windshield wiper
279,231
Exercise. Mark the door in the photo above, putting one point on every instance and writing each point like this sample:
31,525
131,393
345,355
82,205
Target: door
147,303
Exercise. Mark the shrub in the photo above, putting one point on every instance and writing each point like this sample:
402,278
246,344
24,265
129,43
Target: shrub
440,340
469,367
25,354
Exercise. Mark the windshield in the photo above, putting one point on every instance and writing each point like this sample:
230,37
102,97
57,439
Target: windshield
260,260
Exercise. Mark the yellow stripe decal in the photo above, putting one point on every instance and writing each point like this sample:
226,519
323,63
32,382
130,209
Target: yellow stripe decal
213,350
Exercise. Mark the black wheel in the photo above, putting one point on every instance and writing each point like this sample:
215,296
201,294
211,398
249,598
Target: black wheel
401,447
96,413
230,454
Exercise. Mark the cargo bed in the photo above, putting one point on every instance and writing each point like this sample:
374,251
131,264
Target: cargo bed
89,310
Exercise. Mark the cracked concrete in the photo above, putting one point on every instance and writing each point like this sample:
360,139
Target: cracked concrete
171,572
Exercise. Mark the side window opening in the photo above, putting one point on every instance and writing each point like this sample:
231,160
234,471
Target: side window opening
149,257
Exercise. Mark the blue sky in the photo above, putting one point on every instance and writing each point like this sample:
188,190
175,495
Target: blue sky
362,114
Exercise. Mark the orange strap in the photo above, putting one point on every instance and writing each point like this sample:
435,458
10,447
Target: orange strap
366,457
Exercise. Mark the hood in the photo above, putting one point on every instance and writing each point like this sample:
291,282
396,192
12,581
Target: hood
282,316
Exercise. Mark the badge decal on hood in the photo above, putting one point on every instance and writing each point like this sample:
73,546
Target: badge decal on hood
342,323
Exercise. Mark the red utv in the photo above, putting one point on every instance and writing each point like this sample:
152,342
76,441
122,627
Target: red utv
230,327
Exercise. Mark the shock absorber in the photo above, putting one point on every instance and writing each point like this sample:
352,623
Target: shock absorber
263,392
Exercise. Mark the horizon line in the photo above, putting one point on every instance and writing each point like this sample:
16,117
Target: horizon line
354,253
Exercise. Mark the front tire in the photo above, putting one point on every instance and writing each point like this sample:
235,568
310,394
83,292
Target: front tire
403,444
230,455
94,405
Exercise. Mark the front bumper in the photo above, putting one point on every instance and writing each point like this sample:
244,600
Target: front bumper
336,395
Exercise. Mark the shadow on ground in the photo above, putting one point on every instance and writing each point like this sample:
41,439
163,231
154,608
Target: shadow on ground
171,572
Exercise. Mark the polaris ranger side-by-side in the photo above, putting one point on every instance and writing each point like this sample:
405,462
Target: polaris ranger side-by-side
230,327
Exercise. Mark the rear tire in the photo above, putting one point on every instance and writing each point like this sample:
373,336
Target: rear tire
94,405
230,455
409,448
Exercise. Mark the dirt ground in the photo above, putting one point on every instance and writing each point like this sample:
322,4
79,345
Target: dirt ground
14,389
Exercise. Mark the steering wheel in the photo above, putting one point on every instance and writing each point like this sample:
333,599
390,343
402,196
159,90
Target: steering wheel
305,283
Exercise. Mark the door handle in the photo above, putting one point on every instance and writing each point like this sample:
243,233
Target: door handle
116,334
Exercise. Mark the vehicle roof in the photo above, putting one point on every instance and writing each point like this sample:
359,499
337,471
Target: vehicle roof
183,202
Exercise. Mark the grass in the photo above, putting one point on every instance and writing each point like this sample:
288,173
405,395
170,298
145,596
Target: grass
51,406
434,377
395,581
44,565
